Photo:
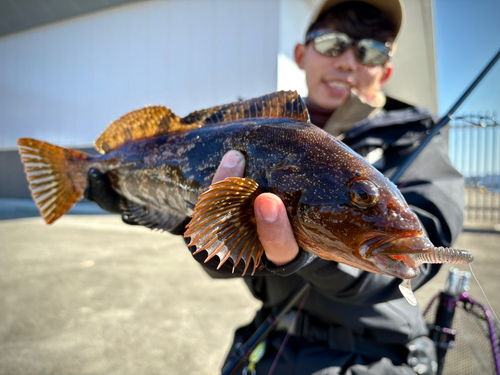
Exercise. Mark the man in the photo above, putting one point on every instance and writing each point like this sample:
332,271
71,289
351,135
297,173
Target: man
352,322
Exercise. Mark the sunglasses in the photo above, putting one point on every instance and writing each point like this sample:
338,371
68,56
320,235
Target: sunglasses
367,51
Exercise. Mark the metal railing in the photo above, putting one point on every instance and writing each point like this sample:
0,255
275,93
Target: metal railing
474,149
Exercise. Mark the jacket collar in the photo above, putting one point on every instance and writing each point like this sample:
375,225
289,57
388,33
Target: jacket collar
352,111
398,117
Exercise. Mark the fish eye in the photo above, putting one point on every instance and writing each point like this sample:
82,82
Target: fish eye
363,194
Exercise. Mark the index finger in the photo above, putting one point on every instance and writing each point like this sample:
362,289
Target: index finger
231,165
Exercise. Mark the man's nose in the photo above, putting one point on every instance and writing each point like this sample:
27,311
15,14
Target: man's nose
346,61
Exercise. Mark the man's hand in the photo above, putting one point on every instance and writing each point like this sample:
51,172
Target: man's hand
273,226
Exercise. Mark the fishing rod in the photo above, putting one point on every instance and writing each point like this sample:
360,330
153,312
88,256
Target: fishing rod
273,319
445,119
244,351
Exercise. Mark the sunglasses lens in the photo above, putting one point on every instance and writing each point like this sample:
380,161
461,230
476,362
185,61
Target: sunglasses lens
370,52
332,44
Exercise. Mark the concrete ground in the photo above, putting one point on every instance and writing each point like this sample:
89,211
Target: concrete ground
91,295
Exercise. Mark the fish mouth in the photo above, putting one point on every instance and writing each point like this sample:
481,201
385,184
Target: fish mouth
392,254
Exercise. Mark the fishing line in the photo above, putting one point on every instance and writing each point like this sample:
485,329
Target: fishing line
484,294
282,346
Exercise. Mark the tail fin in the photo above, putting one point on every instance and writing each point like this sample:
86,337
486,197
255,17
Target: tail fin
56,176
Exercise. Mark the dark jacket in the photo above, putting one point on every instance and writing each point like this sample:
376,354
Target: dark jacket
370,304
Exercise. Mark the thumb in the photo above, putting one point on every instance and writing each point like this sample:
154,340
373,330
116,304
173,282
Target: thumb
274,229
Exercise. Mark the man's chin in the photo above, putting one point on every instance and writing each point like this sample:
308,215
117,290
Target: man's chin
330,103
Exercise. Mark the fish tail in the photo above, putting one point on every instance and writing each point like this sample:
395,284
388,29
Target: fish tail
57,176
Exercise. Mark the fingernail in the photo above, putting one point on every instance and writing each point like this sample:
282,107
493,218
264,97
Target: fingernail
231,159
269,209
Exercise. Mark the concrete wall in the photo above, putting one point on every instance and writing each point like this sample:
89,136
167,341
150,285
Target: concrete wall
293,19
414,80
65,82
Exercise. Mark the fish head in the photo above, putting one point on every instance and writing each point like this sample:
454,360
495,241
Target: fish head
361,219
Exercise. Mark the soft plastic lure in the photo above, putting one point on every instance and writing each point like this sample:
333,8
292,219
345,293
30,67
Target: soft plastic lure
440,255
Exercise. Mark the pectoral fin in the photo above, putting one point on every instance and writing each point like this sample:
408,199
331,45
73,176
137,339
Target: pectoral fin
223,223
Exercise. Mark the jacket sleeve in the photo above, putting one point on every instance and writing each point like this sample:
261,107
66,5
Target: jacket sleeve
267,268
334,280
435,191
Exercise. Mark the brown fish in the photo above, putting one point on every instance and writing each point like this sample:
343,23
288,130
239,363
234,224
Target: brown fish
341,208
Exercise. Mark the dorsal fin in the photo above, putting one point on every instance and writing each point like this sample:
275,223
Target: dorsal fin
154,120
139,124
281,104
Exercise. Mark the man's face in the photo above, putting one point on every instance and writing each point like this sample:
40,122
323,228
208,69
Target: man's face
330,79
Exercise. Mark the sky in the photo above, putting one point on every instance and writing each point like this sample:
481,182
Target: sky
467,37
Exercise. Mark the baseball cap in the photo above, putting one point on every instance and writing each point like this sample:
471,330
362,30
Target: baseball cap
393,9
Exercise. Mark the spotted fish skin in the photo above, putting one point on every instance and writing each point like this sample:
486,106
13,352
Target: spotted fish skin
306,167
174,170
341,208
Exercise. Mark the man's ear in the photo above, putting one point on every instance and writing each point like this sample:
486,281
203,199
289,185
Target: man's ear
387,73
298,54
